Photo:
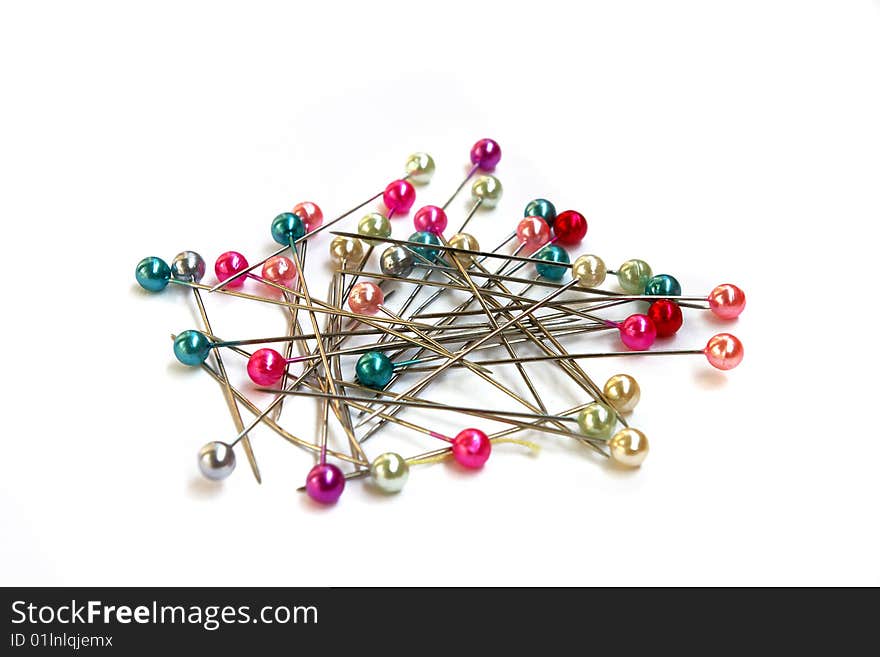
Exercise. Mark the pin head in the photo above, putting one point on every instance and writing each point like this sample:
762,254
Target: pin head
633,276
266,367
597,421
192,347
365,298
399,196
420,168
389,472
152,274
726,301
589,270
570,227
188,266
724,351
216,460
663,285
396,261
666,317
464,241
551,253
374,224
325,483
533,232
374,370
430,219
629,447
471,448
488,190
346,250
541,207
486,154
623,392
430,239
637,332
310,213
279,270
286,227
229,264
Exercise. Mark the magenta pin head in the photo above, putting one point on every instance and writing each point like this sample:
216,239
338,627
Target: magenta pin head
366,298
399,196
486,154
266,367
325,483
471,448
310,213
279,270
637,332
229,264
533,232
727,301
430,219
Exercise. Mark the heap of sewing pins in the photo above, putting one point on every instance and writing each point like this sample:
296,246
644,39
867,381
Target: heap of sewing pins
366,363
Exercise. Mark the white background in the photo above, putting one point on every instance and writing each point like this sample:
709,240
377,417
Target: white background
734,141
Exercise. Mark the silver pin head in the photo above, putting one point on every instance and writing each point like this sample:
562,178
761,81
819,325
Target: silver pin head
188,266
397,261
216,460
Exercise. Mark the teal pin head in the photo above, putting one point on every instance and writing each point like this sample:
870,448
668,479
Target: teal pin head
192,348
374,370
541,207
663,285
152,274
287,227
429,240
552,258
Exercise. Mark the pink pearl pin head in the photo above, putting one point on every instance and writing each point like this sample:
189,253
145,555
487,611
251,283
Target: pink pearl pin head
229,264
471,448
399,196
533,232
727,301
637,332
279,270
366,298
724,351
310,214
266,367
430,219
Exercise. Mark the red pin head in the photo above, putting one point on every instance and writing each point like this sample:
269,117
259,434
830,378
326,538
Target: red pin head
569,227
